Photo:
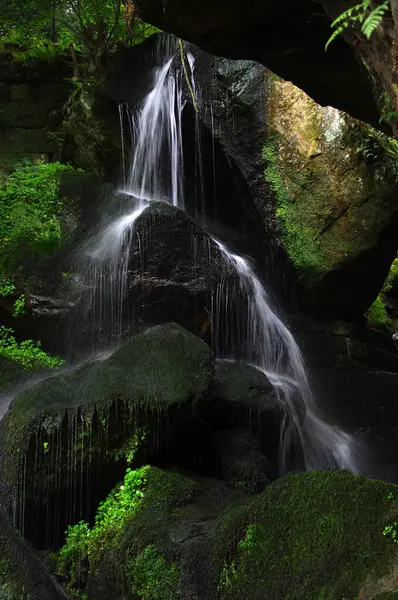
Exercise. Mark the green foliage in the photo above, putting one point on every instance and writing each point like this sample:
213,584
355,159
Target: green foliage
364,14
377,316
152,577
298,234
28,353
392,277
43,29
390,531
7,288
29,203
82,542
19,308
388,112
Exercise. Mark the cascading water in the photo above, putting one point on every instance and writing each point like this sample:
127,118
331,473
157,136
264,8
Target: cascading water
103,261
270,347
263,340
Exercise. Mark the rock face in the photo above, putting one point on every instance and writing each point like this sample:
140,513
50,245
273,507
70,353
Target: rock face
175,270
351,366
322,183
288,39
92,417
334,181
93,141
31,99
305,535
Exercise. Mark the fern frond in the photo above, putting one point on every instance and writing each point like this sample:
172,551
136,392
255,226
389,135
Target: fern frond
347,15
359,13
374,19
335,34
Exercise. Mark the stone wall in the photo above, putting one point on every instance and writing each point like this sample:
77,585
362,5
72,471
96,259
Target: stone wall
32,96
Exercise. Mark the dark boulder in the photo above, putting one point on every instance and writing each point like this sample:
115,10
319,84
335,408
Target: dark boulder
240,461
175,270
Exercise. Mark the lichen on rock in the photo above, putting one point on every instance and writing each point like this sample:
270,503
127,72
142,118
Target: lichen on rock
333,179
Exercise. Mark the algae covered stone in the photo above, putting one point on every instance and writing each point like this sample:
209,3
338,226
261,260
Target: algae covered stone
311,536
97,416
334,180
308,536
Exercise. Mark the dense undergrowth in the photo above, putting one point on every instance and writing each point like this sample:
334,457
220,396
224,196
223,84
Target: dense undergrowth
30,229
29,204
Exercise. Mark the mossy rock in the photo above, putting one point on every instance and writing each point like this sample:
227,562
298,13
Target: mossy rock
308,536
99,415
11,374
91,124
311,536
334,183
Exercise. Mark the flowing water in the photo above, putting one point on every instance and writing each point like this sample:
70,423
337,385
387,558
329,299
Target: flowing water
156,174
268,345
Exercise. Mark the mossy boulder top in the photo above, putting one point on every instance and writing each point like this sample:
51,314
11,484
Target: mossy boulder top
158,369
308,536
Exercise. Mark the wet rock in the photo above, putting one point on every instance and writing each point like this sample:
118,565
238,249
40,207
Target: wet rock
176,269
243,398
322,184
24,92
93,143
94,416
4,92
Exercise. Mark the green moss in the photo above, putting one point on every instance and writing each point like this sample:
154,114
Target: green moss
299,236
392,277
112,409
308,536
152,577
119,558
377,316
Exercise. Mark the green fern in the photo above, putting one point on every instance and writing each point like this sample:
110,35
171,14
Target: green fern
374,19
359,14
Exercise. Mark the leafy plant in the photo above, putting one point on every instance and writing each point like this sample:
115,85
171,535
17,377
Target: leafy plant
388,112
29,203
7,288
390,531
368,16
89,29
19,306
82,542
27,353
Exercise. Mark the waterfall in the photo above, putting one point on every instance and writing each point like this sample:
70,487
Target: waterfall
261,339
102,262
270,347
158,134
